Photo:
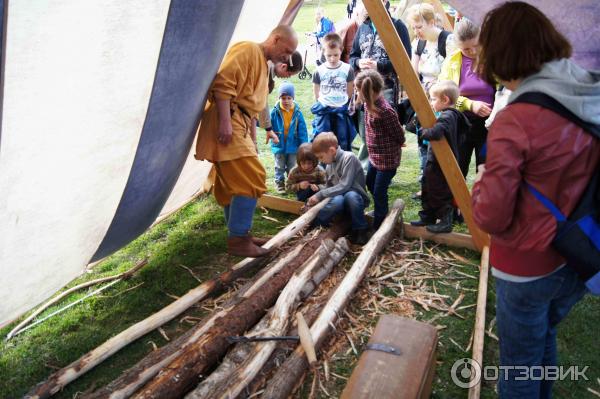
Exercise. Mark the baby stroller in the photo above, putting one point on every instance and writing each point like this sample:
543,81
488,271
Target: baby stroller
305,73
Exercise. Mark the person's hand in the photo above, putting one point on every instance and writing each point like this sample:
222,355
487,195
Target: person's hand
312,201
482,109
225,133
272,136
304,185
367,63
314,187
480,172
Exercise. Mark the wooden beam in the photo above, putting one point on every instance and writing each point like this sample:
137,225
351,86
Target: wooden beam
439,9
458,240
420,104
479,331
280,204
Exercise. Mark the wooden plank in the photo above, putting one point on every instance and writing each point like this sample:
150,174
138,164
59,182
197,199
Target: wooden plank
479,332
458,240
280,204
420,104
405,376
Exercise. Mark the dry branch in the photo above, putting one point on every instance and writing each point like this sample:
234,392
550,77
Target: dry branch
51,302
61,378
282,383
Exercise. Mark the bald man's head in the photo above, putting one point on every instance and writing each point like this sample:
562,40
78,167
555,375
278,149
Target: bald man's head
280,44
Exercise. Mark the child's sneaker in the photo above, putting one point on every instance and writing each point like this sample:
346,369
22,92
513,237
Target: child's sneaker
280,187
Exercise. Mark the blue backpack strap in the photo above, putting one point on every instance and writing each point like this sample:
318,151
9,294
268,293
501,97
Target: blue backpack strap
547,203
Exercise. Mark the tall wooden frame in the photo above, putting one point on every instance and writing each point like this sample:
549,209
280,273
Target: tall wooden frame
420,104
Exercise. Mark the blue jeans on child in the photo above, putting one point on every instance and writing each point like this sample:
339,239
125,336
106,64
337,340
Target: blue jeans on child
283,165
527,315
378,182
303,195
350,203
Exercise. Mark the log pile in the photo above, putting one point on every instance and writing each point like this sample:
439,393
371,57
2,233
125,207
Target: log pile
266,306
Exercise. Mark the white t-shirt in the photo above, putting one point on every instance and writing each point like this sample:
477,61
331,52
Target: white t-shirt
333,84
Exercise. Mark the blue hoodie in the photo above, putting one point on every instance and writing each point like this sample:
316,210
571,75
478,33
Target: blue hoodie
297,133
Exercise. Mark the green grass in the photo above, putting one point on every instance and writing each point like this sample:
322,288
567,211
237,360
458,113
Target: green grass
195,237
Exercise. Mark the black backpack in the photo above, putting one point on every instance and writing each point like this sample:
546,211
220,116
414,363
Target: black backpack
441,44
578,235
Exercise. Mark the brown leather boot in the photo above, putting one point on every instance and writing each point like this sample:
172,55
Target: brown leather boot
260,241
243,246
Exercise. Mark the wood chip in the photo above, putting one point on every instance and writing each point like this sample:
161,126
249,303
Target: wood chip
270,218
163,333
191,272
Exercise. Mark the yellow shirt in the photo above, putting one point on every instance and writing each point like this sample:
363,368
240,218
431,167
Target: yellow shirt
287,118
243,79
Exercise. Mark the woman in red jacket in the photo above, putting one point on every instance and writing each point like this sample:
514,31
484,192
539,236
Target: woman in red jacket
530,143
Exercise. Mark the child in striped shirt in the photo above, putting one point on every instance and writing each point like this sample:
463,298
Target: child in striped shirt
304,179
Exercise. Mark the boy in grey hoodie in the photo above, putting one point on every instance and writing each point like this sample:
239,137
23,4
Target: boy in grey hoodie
345,185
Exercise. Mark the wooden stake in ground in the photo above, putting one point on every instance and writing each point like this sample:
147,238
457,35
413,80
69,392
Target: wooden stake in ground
61,378
420,104
283,382
479,331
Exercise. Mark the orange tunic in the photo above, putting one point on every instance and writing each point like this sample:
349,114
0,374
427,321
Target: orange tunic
242,79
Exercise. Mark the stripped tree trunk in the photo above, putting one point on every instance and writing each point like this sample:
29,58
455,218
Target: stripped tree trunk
239,314
223,379
283,382
64,376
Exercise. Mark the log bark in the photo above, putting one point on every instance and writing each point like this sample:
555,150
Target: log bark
64,376
219,379
283,382
479,331
239,313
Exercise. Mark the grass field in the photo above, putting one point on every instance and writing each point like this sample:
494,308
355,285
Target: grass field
194,237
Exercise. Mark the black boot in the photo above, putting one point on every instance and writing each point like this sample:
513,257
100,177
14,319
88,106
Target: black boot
424,220
457,216
444,225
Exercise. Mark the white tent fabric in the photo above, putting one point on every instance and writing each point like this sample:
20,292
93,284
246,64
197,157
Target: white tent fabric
98,96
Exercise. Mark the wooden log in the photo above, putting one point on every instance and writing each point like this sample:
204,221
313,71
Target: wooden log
439,9
64,376
405,374
124,275
181,374
282,383
479,332
457,240
420,103
238,355
130,381
277,322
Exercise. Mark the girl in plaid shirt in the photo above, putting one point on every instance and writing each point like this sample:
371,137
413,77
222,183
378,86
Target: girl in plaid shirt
384,136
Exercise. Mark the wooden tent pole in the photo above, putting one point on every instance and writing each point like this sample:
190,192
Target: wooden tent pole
439,9
420,104
479,330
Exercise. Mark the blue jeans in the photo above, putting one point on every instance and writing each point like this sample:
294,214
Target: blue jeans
378,182
527,315
350,203
284,163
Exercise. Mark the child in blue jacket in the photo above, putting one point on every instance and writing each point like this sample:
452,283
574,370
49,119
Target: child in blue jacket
290,128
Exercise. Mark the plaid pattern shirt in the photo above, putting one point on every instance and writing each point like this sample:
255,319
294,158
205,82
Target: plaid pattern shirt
385,136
